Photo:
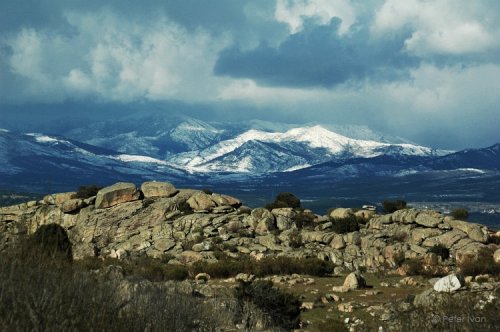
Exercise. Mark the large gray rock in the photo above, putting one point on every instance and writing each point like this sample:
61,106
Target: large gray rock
353,281
474,231
406,216
118,193
72,205
341,213
449,284
284,218
447,239
58,199
158,189
496,256
429,218
261,220
201,201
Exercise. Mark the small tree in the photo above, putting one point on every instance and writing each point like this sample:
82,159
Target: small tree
391,206
284,200
460,213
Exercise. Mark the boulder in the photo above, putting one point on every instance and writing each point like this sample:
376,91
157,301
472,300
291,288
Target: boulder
202,278
261,220
284,218
365,215
222,200
447,239
58,199
353,281
474,231
116,194
338,242
496,256
158,189
341,213
72,205
420,234
201,201
429,218
406,216
449,283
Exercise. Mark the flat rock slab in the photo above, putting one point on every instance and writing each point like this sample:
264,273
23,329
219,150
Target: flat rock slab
118,193
158,189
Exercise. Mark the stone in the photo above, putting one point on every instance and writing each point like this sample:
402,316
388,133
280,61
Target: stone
338,242
418,235
406,216
474,231
158,189
353,238
116,194
58,199
447,239
354,281
449,284
429,218
202,278
222,200
365,215
201,201
307,306
284,218
496,256
244,277
341,213
72,205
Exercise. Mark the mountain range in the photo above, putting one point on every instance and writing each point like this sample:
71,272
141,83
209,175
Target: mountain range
254,155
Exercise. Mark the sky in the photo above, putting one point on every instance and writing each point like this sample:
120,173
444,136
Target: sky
428,71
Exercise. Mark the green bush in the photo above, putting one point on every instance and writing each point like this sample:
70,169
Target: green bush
304,220
282,308
391,206
51,240
441,251
295,239
460,213
345,225
284,200
87,191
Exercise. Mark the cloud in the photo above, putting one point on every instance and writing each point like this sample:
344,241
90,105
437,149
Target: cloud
112,59
295,12
441,27
320,56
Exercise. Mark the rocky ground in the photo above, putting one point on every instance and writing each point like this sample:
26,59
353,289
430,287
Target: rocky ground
384,275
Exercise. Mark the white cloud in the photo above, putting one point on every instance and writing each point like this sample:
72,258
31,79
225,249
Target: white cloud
441,26
117,60
294,12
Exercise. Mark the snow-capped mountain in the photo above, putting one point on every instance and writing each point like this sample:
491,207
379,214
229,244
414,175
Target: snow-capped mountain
156,136
38,161
260,151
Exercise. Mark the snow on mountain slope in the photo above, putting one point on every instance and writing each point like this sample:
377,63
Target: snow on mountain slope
295,147
155,136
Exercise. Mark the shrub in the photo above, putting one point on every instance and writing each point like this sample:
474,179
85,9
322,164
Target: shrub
207,191
414,267
400,236
441,251
284,200
304,219
460,213
295,239
345,225
481,264
282,309
392,206
184,207
87,191
51,240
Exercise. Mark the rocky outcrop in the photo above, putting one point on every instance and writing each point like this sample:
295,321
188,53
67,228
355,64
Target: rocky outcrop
192,225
